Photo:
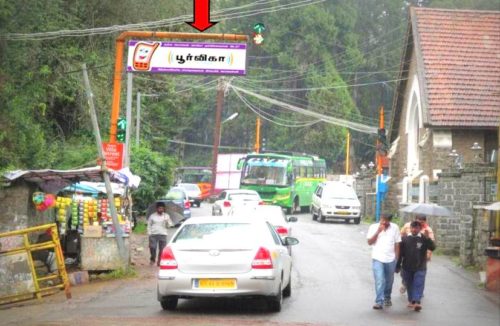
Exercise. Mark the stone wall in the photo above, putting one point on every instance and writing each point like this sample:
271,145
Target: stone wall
365,187
460,190
475,237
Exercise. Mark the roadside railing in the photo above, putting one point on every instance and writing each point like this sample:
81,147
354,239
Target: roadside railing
19,279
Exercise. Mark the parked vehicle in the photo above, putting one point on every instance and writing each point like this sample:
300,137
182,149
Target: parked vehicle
193,192
202,176
176,203
287,180
225,257
335,200
229,199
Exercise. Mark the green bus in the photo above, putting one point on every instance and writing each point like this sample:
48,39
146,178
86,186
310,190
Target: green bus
287,180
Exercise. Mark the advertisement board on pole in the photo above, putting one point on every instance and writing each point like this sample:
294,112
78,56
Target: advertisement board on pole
187,58
113,153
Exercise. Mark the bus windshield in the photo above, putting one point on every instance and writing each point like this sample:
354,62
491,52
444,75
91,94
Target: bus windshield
267,171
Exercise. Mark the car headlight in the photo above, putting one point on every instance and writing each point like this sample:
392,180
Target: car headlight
356,207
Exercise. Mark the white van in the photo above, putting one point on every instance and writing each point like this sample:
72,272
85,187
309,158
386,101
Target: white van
335,200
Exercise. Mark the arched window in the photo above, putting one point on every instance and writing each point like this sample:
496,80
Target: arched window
413,125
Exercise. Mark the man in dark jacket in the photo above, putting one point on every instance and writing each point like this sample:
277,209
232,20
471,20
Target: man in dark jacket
413,260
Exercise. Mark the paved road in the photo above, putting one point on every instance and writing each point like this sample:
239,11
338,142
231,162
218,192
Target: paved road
332,285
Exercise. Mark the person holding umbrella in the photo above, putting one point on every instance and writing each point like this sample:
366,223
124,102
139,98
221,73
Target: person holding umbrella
406,230
412,262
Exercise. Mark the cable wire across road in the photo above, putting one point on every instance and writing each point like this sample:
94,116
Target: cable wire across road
328,119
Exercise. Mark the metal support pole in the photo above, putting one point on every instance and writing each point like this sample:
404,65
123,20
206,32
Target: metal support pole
218,115
126,156
257,135
118,230
138,120
348,147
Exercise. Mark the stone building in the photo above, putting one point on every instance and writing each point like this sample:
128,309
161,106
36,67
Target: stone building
446,111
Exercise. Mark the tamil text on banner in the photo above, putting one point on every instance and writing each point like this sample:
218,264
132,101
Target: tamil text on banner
113,153
187,57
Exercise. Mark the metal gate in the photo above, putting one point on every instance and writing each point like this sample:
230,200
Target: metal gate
19,279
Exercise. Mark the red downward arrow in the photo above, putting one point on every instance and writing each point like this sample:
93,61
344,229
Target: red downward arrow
201,13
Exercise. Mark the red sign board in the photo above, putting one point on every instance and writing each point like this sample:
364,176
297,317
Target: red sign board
113,152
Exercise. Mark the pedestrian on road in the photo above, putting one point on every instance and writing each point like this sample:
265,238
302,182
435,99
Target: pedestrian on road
405,230
413,262
384,237
157,232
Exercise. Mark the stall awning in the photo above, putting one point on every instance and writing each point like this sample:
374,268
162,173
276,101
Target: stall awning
54,180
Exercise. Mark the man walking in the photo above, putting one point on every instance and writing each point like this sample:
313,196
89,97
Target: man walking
405,230
157,231
384,237
413,260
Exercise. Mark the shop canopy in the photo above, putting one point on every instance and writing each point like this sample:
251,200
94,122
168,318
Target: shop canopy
52,181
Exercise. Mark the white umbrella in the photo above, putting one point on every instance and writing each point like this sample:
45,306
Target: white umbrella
426,209
493,207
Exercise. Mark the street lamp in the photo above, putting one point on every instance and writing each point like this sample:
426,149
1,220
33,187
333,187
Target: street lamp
231,117
476,148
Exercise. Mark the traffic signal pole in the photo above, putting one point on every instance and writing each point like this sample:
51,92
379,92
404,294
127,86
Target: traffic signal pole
379,165
120,45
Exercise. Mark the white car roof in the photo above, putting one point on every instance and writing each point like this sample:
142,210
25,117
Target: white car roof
221,219
241,191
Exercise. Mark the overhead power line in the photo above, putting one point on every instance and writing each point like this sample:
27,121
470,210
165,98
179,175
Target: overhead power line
221,15
328,119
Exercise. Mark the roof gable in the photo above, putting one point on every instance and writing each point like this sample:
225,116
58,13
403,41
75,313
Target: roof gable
458,60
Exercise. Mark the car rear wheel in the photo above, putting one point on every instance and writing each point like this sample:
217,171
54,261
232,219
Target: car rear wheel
274,302
169,303
288,290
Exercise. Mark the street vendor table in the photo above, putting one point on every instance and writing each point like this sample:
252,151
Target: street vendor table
99,254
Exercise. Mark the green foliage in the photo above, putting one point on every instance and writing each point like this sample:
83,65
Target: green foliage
156,172
141,227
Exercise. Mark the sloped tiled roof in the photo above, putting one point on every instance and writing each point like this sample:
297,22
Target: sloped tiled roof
458,58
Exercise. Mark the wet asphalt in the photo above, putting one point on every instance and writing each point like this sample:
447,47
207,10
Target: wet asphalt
332,284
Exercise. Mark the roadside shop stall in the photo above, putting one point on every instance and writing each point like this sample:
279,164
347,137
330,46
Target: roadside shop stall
77,202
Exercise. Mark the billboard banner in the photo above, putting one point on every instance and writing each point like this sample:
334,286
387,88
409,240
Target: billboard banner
187,58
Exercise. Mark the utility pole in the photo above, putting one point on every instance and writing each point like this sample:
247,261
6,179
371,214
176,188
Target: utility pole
218,114
380,156
118,230
257,135
138,119
347,150
126,156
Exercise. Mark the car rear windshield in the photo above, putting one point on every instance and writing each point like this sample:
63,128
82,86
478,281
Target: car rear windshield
217,234
190,187
175,194
243,196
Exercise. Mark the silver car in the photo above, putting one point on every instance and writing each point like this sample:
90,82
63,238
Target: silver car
225,257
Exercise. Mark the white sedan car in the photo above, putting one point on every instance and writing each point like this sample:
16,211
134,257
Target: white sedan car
271,213
225,256
229,199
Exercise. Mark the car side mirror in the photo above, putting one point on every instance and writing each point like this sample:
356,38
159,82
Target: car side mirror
290,241
292,219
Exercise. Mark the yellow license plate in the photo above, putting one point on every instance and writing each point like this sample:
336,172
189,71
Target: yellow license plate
343,213
218,283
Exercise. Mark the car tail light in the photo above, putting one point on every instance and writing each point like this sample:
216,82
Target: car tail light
167,260
283,231
262,259
187,204
261,203
227,204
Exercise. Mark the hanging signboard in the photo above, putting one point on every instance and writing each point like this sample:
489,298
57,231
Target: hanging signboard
113,152
187,58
